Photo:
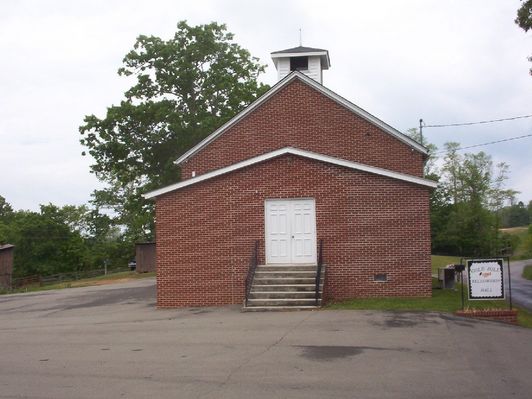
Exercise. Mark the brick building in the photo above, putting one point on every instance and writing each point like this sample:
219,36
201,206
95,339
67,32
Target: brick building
299,169
145,257
6,265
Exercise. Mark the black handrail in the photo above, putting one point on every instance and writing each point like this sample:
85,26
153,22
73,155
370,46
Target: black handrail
251,271
318,274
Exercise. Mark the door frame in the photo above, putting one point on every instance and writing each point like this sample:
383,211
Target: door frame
266,240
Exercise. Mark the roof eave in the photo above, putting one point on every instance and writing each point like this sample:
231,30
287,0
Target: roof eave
294,151
302,54
324,55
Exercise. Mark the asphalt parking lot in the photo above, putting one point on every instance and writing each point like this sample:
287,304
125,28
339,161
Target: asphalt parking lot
111,342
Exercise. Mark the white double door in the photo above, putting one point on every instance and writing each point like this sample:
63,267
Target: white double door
290,231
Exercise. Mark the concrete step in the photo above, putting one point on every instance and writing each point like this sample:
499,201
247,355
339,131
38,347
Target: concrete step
286,274
281,268
283,287
283,280
277,308
282,295
283,302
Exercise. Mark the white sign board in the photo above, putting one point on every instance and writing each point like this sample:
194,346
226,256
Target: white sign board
485,278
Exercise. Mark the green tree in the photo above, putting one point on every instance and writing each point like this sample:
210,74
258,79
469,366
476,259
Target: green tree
475,190
44,242
5,209
185,88
515,215
524,19
465,208
62,239
6,214
524,15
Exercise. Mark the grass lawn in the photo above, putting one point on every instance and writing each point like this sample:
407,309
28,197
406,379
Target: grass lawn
447,301
527,272
99,280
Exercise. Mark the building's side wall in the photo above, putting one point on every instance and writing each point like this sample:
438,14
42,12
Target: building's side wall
300,116
6,267
369,224
145,257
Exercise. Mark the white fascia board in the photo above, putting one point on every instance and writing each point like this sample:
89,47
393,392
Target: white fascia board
327,92
304,54
324,55
297,152
364,168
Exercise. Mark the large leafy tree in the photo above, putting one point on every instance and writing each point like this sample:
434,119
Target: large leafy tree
185,87
465,208
472,191
524,19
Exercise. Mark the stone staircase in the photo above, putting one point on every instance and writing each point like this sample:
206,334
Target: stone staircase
284,287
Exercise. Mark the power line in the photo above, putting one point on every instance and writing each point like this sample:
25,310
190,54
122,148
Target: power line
481,122
489,143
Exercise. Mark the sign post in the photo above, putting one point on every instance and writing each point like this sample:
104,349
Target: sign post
460,269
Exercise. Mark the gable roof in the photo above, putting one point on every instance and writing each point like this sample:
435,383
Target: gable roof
298,152
299,49
322,89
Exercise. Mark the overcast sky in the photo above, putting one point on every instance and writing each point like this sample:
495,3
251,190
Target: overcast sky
443,61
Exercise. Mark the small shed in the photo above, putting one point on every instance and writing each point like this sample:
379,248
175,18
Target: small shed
6,265
145,257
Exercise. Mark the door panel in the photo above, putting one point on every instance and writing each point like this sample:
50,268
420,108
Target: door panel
290,231
304,232
278,227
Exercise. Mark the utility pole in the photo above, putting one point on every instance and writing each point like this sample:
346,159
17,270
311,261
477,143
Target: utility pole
421,131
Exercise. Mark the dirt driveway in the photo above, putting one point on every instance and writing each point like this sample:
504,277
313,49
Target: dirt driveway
110,342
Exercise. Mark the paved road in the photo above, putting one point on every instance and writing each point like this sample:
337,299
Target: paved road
521,288
110,342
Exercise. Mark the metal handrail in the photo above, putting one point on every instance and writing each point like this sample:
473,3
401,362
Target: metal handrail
251,271
318,273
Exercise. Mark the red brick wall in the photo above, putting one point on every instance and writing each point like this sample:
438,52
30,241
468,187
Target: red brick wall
502,315
300,116
370,224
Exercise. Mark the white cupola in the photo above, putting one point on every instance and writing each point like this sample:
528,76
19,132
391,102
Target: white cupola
307,60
